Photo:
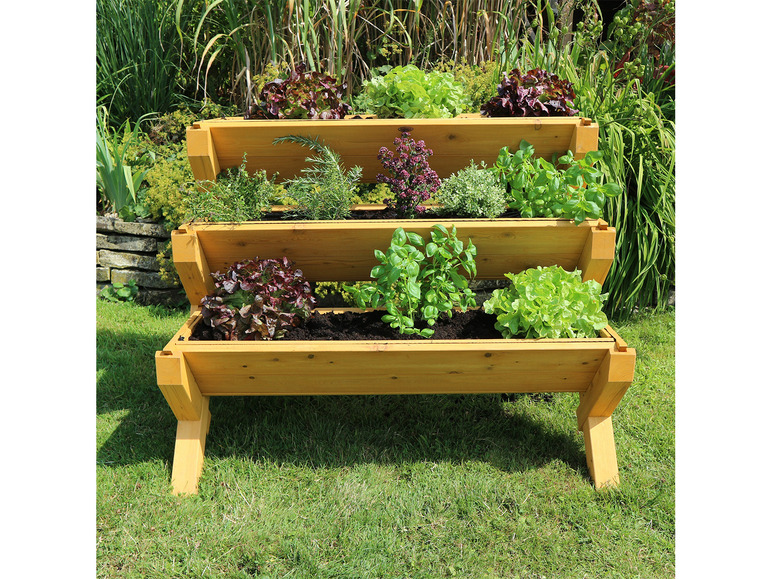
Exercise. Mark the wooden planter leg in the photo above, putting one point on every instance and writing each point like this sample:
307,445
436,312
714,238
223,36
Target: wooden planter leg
189,451
601,451
594,415
191,408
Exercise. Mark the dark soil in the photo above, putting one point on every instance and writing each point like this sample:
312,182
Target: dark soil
470,325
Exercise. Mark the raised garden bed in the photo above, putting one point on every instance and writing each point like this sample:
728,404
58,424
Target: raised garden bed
191,370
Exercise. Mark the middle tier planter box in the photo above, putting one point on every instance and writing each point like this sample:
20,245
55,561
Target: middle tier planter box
190,372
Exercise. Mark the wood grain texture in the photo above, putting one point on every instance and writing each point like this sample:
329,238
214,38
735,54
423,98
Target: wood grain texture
189,452
400,367
343,250
601,452
178,385
454,142
608,386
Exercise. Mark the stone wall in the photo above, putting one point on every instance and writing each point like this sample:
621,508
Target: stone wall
127,251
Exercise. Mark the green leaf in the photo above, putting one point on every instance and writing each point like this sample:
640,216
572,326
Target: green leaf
399,237
414,238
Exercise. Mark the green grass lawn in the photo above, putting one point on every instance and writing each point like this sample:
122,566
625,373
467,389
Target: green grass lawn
369,486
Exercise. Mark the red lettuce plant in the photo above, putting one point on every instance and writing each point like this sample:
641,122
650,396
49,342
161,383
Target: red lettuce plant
536,93
257,299
303,95
412,180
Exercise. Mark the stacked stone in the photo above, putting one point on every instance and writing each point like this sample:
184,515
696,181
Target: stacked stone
127,251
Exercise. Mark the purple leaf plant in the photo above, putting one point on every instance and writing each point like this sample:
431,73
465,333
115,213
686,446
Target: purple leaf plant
412,180
257,299
536,93
303,95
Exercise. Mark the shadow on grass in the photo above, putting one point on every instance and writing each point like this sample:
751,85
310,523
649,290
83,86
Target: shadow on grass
326,431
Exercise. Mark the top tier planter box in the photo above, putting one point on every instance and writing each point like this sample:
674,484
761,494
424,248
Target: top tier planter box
219,144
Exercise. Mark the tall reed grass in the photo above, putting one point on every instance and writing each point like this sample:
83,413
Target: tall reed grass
139,58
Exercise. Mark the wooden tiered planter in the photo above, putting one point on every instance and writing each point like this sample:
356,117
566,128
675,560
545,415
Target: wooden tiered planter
190,372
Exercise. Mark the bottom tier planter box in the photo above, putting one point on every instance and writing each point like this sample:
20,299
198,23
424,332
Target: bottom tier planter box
190,372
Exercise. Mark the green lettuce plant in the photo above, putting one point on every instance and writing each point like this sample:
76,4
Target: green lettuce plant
538,188
548,302
409,92
411,283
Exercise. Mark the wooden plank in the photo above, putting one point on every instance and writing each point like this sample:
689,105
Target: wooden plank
178,385
308,368
189,448
454,142
202,154
598,254
608,386
601,452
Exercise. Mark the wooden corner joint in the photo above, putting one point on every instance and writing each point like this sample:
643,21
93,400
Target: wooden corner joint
179,387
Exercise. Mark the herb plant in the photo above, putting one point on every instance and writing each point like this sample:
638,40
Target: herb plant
325,190
472,192
303,95
538,188
548,302
235,196
257,299
535,93
409,92
412,283
412,180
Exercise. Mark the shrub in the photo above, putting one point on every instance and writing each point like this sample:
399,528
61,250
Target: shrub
472,192
412,180
410,283
169,183
407,91
536,93
235,196
303,95
325,190
548,302
257,299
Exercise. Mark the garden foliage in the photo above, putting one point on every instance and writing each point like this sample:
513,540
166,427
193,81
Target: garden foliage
413,284
408,92
412,180
535,93
538,188
234,196
326,189
257,299
302,95
548,302
472,192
